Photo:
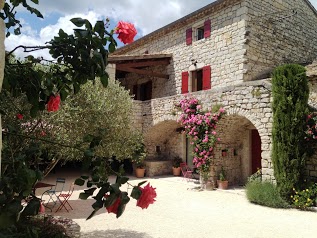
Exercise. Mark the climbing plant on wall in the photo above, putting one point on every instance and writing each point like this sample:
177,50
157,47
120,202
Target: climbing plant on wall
200,127
290,107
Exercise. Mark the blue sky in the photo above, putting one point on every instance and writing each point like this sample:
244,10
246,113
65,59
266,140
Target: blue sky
146,15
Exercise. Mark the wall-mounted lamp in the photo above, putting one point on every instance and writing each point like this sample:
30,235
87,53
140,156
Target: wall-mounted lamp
194,62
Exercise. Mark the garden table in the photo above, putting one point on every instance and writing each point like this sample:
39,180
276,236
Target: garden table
42,185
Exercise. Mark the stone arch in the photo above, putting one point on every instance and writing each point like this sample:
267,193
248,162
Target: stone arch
162,140
246,137
165,117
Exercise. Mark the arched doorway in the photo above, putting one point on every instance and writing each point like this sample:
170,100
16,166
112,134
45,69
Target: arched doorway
241,139
255,151
163,141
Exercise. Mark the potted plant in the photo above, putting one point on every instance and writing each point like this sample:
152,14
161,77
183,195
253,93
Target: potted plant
138,161
222,182
177,165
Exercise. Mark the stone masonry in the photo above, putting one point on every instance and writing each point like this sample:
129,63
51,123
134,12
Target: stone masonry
248,39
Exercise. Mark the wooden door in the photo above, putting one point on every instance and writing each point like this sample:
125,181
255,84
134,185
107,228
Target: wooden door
255,151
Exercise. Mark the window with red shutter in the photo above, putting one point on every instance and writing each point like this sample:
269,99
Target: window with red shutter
207,28
189,36
206,77
185,76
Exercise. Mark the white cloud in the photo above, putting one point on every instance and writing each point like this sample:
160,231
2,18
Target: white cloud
30,37
147,15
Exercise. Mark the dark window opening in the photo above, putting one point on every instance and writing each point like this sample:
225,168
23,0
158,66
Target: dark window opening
158,149
143,91
200,33
197,80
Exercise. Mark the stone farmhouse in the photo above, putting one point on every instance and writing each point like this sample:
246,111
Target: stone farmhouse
223,54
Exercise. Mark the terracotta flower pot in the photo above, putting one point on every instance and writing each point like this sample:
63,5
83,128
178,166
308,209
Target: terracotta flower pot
177,171
139,172
222,184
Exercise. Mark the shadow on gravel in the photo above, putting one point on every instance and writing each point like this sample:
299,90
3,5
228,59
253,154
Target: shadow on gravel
115,234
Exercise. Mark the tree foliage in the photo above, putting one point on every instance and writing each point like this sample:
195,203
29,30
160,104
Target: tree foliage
77,58
99,112
290,107
33,136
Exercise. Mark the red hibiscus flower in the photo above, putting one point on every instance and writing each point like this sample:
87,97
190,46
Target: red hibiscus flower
147,196
114,207
53,103
19,116
126,32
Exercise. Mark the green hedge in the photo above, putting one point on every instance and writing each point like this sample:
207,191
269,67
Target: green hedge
264,193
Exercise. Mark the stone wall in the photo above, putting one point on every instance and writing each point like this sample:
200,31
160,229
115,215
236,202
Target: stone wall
248,107
311,166
278,32
156,168
137,119
248,39
224,50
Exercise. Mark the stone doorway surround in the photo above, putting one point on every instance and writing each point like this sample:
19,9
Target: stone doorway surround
235,132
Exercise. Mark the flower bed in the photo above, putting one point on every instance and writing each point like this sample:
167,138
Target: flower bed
72,228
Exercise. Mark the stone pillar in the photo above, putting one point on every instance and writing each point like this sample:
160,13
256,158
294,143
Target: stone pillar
2,55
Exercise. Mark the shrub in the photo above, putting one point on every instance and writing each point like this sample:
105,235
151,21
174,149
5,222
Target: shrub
306,198
36,227
264,193
257,176
290,107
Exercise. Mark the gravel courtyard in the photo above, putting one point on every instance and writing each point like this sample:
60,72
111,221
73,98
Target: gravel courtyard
183,211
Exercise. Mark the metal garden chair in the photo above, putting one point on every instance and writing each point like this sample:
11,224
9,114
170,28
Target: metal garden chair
186,171
54,192
64,197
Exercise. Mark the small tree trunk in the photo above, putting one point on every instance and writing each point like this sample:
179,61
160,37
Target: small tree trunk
2,61
50,167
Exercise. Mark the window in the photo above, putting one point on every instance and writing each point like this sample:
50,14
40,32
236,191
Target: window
197,80
201,30
143,91
200,33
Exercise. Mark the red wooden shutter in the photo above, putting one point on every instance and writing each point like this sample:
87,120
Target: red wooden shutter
189,36
207,28
206,77
185,82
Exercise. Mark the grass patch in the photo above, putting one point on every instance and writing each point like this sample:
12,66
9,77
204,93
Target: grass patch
265,193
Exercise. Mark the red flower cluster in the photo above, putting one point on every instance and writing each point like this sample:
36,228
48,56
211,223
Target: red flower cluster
53,103
114,207
19,116
311,126
42,133
147,196
126,32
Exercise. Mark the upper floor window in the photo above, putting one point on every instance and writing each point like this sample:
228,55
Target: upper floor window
196,80
201,31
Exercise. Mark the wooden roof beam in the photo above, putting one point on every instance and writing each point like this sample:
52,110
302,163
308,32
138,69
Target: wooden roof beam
142,72
144,63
